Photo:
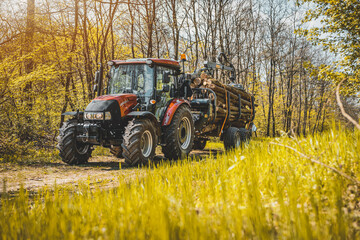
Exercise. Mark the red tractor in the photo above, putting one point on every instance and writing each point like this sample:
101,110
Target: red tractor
146,103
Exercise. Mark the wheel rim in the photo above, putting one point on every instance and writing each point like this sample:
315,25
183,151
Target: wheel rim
82,148
184,132
237,140
146,143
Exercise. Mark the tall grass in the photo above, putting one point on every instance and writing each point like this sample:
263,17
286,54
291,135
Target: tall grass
264,191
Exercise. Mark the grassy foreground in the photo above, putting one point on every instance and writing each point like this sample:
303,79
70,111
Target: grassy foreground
265,191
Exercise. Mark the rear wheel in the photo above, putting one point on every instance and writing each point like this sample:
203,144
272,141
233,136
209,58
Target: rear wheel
179,135
139,142
70,150
200,144
232,138
116,151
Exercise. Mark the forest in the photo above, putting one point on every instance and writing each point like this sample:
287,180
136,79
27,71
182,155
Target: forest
298,62
283,53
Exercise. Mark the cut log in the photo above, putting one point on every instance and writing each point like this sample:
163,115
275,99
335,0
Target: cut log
221,92
220,120
204,76
221,109
243,94
232,102
233,114
197,81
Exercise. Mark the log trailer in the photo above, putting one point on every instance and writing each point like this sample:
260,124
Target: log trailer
147,102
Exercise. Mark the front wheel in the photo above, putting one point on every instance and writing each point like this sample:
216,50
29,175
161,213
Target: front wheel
139,143
70,150
179,135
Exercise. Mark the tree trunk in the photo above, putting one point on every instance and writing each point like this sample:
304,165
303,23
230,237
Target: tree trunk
28,48
70,62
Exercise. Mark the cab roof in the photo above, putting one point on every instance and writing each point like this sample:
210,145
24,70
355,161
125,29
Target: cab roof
158,61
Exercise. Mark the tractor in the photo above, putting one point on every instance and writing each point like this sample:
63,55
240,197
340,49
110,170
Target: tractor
144,103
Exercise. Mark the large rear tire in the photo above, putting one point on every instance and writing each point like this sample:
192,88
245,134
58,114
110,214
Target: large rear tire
117,151
179,135
139,143
71,151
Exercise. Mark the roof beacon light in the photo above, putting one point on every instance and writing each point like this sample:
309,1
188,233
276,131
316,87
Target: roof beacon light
183,57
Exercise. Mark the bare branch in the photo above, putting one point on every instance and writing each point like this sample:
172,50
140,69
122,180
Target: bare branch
11,38
342,107
125,2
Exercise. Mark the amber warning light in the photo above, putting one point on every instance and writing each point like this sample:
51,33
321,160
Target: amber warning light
183,57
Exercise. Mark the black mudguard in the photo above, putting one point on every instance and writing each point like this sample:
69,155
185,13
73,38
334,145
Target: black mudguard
78,115
146,114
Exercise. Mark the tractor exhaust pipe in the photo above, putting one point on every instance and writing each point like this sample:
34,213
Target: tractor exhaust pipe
98,80
101,70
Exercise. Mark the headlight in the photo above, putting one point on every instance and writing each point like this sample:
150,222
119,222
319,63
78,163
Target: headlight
88,116
107,116
97,116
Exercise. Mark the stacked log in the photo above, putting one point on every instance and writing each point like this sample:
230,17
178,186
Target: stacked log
222,92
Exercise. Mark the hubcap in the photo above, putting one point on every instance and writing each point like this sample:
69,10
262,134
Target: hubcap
184,133
146,143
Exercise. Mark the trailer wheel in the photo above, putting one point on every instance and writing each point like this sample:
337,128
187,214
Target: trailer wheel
179,135
245,135
116,151
139,143
70,150
199,144
233,138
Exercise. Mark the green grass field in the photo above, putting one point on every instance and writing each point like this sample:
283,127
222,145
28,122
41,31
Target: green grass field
265,191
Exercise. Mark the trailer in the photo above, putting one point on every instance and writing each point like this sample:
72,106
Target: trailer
220,109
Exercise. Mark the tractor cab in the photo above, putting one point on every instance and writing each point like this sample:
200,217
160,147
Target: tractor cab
151,80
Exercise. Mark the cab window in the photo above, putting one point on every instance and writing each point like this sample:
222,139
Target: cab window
160,77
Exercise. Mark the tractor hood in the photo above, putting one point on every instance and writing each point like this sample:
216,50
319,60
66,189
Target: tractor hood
119,105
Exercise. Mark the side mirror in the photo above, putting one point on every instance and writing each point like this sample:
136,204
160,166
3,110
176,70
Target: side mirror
172,91
166,77
166,88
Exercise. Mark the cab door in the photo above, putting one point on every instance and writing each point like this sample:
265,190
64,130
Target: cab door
162,97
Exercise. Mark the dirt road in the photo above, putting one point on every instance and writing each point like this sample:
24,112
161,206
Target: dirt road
99,168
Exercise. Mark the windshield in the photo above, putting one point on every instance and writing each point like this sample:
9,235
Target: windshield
132,78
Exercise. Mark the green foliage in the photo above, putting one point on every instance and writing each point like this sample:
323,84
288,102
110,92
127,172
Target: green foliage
31,102
265,191
339,32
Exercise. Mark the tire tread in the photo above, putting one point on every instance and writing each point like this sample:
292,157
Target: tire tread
172,149
131,142
67,144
